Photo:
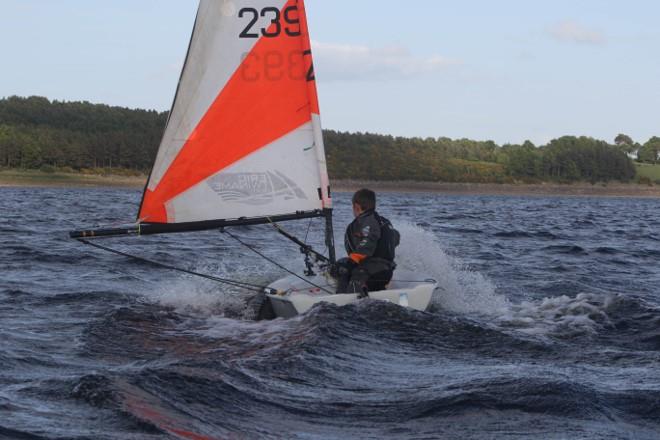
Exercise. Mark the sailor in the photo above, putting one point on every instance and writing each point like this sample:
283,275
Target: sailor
370,242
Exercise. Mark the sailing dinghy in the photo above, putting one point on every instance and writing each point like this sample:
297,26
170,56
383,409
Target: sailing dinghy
243,145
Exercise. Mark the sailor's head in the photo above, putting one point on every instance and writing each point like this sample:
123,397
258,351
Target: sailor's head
363,200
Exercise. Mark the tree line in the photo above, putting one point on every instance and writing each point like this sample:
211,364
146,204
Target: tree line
567,159
37,133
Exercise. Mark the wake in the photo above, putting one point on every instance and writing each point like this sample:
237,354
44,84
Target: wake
467,292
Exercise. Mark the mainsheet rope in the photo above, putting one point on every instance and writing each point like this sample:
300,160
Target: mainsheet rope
233,283
270,260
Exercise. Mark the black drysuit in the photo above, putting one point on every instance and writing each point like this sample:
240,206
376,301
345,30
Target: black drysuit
369,239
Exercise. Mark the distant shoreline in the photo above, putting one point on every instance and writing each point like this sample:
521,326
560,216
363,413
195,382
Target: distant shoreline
35,179
18,178
581,189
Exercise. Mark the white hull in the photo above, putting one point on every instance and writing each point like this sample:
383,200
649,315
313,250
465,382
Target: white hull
298,296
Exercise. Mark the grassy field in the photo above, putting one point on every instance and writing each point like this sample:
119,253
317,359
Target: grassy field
38,178
650,171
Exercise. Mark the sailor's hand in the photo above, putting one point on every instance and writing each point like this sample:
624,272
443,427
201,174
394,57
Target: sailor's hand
342,267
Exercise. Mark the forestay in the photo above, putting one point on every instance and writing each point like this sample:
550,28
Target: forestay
244,137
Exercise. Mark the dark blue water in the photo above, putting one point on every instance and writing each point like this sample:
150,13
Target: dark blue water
547,325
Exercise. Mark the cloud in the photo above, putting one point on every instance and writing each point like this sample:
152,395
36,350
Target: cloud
344,62
572,32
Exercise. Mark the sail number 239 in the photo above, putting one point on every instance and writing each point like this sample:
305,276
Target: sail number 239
291,25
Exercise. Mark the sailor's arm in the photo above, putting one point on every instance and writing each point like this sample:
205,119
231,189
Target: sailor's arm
367,236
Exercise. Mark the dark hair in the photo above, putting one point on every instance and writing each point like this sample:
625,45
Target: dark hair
365,198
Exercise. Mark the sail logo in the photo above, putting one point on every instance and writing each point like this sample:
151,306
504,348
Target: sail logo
255,189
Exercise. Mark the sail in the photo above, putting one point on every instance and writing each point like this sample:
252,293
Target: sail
244,138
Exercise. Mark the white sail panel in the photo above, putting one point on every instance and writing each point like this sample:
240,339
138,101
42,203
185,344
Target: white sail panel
281,178
322,165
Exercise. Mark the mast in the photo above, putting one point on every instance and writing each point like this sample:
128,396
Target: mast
330,237
324,191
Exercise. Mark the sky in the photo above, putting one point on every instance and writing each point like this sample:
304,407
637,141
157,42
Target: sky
507,70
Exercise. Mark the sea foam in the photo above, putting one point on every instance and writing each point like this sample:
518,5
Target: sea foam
461,289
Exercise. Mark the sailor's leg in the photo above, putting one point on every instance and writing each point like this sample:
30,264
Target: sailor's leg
358,282
343,273
343,278
379,280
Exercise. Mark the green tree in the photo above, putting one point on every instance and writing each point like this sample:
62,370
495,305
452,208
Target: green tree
623,139
582,158
524,161
650,151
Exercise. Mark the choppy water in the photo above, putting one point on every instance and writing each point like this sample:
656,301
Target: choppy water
547,326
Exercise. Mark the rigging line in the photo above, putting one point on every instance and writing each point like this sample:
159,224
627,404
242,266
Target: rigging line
233,283
270,260
305,248
309,226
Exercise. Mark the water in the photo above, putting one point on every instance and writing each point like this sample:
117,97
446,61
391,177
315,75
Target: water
547,325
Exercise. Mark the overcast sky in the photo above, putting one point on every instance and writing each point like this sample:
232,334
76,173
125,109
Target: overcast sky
505,70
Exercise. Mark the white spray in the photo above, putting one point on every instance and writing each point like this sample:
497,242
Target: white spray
461,290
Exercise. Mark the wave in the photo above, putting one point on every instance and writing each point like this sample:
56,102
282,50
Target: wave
513,234
13,434
198,296
97,390
566,249
32,254
340,372
635,324
109,393
462,230
358,370
561,316
647,253
607,250
526,234
80,297
546,396
615,321
16,295
546,235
